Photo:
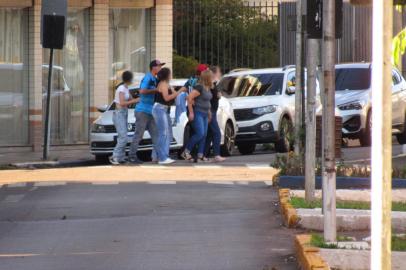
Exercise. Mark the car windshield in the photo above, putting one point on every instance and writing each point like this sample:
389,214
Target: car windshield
252,85
353,79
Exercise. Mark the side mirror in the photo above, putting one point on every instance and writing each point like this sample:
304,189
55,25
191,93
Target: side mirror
290,90
102,108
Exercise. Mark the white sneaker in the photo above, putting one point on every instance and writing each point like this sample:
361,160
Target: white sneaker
114,161
166,161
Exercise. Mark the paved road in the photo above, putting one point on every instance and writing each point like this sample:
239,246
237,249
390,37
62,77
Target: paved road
143,226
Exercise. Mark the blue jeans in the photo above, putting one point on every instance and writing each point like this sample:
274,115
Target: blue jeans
143,121
164,124
120,120
199,126
213,135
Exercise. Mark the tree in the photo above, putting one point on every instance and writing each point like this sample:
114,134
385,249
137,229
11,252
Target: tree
228,33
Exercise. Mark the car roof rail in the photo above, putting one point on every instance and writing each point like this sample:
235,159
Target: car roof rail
287,67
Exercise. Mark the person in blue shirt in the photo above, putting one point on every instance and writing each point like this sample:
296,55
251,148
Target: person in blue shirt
143,112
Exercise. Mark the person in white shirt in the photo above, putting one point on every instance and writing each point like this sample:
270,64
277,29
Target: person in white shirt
122,100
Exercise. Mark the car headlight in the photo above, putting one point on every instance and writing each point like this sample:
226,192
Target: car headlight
264,110
356,105
98,128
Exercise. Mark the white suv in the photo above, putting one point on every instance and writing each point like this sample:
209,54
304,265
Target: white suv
103,134
264,106
353,102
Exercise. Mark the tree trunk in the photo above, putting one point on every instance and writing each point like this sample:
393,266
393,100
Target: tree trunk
310,164
329,172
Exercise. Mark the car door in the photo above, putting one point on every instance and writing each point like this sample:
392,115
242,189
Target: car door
398,104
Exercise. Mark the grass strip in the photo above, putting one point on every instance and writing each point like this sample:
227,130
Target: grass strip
302,203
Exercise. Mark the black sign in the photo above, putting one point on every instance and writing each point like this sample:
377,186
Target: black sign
315,19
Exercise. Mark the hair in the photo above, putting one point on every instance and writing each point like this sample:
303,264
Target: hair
164,74
206,79
127,76
214,69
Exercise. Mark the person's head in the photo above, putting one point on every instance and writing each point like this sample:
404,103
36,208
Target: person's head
200,68
216,70
155,66
164,75
127,77
206,79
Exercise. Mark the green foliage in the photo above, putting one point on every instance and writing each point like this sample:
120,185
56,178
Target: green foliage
318,241
183,67
399,243
219,32
292,165
358,205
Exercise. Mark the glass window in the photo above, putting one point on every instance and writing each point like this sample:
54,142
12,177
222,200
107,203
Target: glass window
396,78
70,88
252,85
353,79
13,77
129,44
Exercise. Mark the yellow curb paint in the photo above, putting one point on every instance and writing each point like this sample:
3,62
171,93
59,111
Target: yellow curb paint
135,174
289,213
309,257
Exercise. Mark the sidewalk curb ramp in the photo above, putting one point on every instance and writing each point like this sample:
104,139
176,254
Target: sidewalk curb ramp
289,213
309,257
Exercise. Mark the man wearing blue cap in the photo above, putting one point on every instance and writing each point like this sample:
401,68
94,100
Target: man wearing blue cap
143,112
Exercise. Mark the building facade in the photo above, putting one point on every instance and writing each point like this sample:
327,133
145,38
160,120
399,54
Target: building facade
103,38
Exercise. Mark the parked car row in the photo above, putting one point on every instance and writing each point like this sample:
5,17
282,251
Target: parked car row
258,106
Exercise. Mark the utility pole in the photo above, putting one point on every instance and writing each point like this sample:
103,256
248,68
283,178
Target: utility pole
329,173
299,77
381,162
310,164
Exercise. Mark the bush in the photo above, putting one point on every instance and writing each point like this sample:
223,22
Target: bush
183,67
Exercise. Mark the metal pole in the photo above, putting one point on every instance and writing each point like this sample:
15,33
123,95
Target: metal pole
299,82
47,129
329,175
381,162
310,149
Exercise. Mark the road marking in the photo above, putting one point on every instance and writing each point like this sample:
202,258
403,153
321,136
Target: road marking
242,183
221,182
14,198
208,166
162,182
49,184
105,183
268,183
257,166
15,185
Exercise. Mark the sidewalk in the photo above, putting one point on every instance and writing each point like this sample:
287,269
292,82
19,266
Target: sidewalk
76,153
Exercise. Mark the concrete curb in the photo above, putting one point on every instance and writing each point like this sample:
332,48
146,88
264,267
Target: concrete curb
289,213
308,257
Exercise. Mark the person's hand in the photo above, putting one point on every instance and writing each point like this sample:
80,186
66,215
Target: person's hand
191,117
209,117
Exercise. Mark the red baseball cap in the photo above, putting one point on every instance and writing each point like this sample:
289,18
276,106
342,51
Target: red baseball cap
200,68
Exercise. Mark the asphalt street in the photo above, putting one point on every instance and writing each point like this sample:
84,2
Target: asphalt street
138,226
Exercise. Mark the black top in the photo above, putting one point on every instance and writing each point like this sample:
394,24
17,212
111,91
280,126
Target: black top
215,99
160,99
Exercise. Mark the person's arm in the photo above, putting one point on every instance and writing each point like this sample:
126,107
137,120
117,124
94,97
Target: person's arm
163,89
190,101
125,103
148,91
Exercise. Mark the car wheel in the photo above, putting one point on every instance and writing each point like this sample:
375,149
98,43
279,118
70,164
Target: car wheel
144,156
366,138
229,141
284,144
246,148
102,158
402,136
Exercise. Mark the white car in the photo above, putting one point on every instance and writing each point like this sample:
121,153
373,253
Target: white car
353,101
264,106
103,133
